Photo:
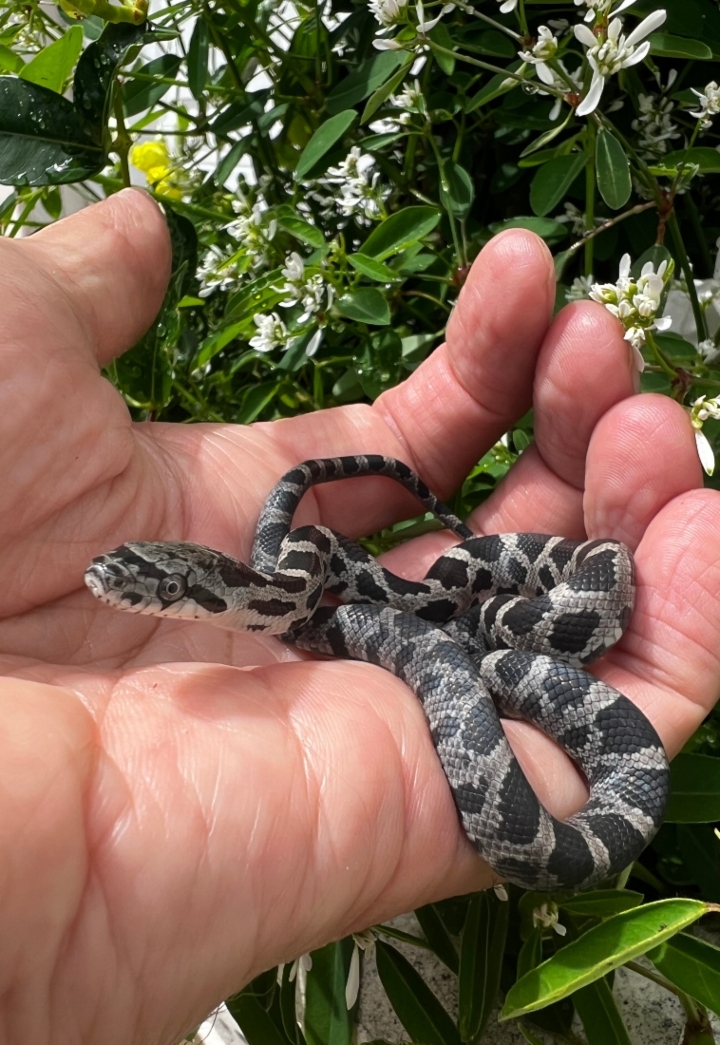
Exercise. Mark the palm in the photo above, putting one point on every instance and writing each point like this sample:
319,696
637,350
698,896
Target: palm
255,814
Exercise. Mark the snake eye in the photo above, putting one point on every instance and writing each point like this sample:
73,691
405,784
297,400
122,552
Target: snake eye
172,587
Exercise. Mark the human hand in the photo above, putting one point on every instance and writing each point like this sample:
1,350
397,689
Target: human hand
183,807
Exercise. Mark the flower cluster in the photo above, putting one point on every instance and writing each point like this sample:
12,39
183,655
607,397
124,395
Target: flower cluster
356,188
654,123
709,104
252,231
546,916
612,51
162,172
635,302
271,332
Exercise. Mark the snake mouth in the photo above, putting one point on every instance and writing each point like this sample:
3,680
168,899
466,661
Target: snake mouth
111,583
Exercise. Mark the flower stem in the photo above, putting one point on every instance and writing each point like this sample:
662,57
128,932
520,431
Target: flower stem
698,314
662,359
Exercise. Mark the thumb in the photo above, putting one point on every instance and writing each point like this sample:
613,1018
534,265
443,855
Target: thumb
113,259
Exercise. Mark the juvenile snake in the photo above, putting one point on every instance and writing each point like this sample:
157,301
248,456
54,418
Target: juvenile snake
500,624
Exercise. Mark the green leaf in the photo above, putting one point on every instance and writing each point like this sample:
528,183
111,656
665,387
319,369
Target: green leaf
246,301
9,61
255,400
437,935
496,85
613,171
598,1011
197,59
483,944
139,95
326,1014
361,83
288,219
548,136
400,230
707,159
44,140
230,160
415,1005
440,35
601,903
456,189
98,67
375,142
552,181
666,46
598,951
373,269
384,92
255,1023
364,305
692,965
546,228
323,139
51,67
694,790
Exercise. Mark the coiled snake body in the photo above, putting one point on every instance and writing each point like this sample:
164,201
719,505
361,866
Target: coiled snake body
501,623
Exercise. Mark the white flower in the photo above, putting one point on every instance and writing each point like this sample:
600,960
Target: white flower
574,217
553,79
294,269
543,49
579,289
252,231
410,97
612,52
547,916
679,309
424,26
601,8
709,351
388,12
508,5
654,124
271,334
358,181
500,891
701,409
709,104
635,302
217,271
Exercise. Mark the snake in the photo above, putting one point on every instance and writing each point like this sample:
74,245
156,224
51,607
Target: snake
501,626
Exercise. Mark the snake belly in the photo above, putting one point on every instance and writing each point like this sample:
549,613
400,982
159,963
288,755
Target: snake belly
500,625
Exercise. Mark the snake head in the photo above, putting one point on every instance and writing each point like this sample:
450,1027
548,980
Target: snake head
177,579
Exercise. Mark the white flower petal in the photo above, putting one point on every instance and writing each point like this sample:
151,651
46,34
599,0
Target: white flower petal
508,6
545,74
387,45
585,35
663,323
353,981
647,26
637,56
705,452
591,100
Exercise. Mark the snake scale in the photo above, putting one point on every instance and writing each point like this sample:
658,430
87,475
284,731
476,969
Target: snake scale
500,625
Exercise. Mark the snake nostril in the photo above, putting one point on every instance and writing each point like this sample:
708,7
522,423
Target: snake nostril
102,576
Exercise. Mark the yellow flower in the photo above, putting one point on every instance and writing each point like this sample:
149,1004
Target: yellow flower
156,163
